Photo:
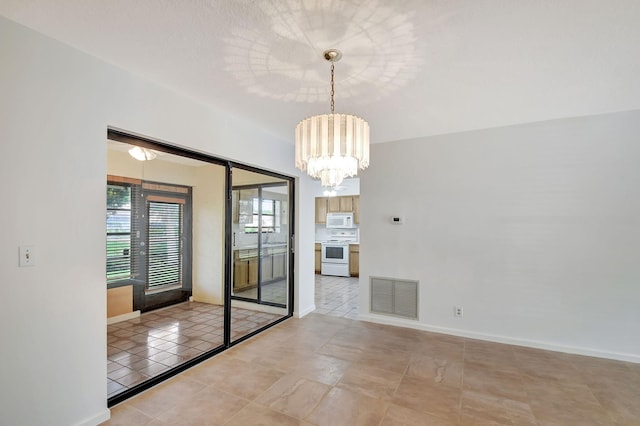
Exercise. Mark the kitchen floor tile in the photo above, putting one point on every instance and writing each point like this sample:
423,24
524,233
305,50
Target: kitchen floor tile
337,296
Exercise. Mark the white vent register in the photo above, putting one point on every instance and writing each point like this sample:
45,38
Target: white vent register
394,297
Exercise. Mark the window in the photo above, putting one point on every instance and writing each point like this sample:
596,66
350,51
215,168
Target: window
148,234
271,218
165,244
118,231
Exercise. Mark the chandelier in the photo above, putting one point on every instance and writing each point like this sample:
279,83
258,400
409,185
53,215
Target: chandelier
332,146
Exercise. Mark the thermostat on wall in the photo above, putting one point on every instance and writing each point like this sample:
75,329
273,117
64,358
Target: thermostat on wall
397,220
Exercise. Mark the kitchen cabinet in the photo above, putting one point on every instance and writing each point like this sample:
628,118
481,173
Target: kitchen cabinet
245,266
267,268
318,263
240,275
253,272
279,266
334,205
245,269
321,210
345,204
274,263
354,260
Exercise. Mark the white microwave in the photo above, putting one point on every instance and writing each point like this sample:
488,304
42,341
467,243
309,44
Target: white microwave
340,220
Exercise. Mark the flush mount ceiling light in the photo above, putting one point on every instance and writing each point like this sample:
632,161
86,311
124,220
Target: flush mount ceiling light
332,146
142,154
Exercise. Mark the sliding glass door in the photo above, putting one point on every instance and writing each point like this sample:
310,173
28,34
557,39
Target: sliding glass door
165,264
198,258
261,237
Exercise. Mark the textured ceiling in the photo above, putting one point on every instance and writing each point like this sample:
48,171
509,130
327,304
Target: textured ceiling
410,67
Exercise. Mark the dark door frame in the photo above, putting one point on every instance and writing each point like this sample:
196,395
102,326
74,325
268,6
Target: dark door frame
143,300
260,187
145,142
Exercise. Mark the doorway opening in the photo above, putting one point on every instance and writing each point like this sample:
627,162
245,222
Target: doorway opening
149,240
169,267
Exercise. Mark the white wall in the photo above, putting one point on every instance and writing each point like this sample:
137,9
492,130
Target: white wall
55,106
349,186
208,234
533,229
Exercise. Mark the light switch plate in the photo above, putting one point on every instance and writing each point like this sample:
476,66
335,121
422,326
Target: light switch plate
27,256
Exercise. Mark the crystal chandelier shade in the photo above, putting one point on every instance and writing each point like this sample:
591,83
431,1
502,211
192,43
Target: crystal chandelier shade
332,146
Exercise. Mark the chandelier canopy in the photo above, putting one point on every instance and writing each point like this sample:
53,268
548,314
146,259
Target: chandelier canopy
332,146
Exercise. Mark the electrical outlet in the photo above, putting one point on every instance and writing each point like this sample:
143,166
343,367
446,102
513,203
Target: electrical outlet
458,311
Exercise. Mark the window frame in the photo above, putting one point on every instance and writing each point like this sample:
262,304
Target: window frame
184,253
130,233
255,225
141,191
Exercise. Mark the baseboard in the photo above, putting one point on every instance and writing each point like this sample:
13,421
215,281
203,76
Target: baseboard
305,312
101,417
501,339
123,317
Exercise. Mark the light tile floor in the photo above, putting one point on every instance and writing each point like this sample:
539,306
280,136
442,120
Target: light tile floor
275,292
337,296
144,347
326,370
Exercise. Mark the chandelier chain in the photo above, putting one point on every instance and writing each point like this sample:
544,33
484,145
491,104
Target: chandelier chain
332,89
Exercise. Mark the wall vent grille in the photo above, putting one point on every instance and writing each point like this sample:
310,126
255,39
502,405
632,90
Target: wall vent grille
394,297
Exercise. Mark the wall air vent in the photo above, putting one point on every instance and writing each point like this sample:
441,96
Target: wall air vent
394,297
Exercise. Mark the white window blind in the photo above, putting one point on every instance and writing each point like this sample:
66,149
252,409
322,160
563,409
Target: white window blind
164,244
118,231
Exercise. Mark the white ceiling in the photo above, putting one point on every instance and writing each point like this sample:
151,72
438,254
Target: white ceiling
410,67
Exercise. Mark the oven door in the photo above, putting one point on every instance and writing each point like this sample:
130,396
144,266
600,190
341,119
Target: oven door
335,253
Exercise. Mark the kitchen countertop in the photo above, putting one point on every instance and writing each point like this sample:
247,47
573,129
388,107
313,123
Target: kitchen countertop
264,245
350,242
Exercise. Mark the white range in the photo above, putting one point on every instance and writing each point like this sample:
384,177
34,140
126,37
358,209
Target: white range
335,252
